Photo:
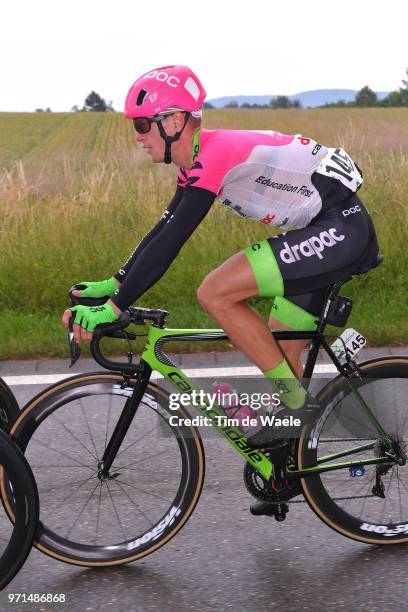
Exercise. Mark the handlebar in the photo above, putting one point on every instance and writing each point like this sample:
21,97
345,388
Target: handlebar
134,315
113,330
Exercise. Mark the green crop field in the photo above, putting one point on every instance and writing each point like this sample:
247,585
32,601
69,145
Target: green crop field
77,194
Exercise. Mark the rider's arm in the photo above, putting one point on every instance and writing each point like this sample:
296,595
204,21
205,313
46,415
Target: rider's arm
123,272
161,249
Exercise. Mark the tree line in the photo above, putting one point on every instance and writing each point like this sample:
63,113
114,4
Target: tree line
366,97
94,103
278,102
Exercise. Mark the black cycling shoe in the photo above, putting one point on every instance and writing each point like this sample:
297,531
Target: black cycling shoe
288,423
262,508
270,508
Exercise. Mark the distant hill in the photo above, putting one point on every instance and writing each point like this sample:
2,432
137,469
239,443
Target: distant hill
311,99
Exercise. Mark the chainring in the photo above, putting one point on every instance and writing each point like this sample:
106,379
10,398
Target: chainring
262,490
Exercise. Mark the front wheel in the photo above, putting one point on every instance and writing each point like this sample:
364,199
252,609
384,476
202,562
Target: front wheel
369,503
16,537
9,409
153,485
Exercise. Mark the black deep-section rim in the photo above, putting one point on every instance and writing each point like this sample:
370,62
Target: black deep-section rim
26,507
9,408
314,491
188,493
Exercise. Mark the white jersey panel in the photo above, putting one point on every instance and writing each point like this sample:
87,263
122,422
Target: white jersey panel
274,184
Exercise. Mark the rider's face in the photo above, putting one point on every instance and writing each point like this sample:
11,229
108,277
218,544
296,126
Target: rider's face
153,142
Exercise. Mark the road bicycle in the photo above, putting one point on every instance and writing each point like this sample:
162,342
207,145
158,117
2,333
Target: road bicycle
16,538
9,408
118,478
18,484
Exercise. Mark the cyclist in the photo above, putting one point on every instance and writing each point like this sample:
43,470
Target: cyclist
288,181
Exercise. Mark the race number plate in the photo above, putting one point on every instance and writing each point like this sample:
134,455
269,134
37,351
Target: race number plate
337,164
350,342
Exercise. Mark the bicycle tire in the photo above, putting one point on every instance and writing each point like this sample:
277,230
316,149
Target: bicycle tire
85,395
9,408
316,490
25,509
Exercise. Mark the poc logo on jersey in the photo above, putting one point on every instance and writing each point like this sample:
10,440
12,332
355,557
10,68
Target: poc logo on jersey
313,246
163,77
351,211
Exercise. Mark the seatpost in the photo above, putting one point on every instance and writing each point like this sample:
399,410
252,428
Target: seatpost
332,292
318,340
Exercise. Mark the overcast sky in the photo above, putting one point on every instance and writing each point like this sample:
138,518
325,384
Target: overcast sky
54,53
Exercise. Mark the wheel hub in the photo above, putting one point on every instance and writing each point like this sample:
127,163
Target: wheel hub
103,476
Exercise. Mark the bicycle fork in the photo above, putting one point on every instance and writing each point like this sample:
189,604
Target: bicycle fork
124,422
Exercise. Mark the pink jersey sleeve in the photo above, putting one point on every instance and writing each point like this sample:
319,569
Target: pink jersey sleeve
211,165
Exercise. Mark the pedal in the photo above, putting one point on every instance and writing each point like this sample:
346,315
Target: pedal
281,511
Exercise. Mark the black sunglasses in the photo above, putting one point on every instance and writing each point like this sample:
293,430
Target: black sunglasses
143,125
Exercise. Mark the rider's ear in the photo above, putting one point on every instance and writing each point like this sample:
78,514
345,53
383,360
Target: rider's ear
178,118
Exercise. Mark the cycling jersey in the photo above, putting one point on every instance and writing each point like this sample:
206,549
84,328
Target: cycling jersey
280,180
277,179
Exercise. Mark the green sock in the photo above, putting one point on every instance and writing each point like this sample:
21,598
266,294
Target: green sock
284,382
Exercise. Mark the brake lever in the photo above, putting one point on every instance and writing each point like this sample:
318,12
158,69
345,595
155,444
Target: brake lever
74,348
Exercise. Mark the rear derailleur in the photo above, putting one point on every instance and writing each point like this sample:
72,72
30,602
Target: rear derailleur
395,449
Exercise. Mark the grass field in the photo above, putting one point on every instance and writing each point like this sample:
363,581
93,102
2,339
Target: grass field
77,194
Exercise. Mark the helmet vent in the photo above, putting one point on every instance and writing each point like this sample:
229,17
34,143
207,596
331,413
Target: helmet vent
141,97
192,88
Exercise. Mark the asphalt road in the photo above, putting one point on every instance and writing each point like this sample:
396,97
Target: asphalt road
224,558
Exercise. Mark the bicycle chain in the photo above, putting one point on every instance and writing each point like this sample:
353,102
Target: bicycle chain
303,501
344,440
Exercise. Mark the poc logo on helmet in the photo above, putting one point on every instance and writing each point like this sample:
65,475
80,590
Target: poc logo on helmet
163,77
351,211
308,248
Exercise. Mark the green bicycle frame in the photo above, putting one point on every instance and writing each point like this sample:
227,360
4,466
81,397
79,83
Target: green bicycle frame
157,360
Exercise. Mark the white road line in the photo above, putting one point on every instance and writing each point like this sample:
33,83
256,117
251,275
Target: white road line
231,372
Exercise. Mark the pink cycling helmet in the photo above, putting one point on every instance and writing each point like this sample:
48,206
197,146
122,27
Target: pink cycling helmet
165,89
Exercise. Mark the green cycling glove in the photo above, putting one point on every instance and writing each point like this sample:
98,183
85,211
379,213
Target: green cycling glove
97,289
88,317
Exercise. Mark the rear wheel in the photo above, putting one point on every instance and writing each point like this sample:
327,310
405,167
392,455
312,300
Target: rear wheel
370,504
153,485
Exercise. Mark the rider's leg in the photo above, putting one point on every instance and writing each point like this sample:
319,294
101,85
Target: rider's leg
295,314
291,349
223,294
